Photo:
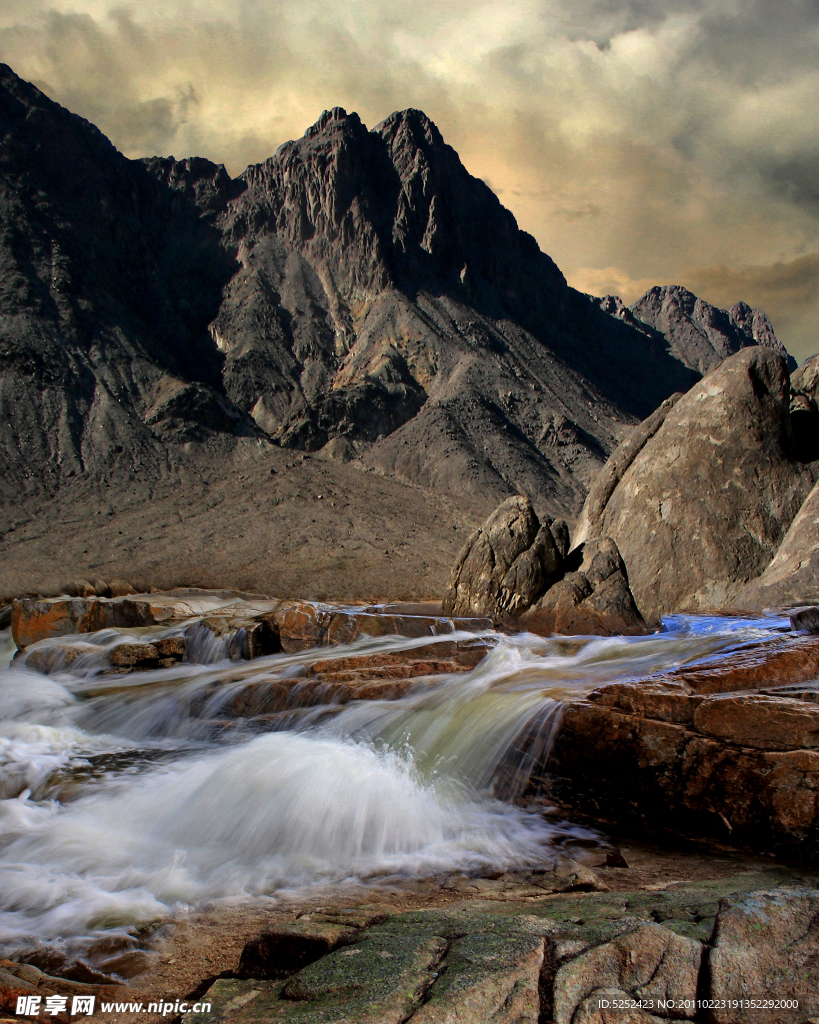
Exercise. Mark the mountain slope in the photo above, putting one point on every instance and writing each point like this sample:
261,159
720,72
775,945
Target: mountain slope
359,294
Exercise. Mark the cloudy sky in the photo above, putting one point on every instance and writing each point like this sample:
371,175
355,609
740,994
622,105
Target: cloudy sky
641,141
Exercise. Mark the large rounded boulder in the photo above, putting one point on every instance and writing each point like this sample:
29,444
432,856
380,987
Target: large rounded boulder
700,497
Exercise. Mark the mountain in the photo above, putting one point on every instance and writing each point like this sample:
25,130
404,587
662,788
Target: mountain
359,295
698,334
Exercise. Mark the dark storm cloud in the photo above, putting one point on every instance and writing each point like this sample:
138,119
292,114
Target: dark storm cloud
633,138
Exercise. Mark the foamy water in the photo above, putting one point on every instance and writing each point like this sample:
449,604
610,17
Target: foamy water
119,802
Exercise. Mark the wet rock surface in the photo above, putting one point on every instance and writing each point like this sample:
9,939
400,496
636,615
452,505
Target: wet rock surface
727,751
720,748
268,625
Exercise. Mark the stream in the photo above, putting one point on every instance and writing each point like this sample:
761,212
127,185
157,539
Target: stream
128,797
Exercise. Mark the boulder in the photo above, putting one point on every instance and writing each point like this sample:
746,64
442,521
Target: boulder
612,473
650,963
507,563
101,588
805,620
792,576
702,505
18,979
79,588
594,600
120,588
130,655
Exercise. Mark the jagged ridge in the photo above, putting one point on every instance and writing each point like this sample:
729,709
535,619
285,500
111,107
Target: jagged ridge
359,292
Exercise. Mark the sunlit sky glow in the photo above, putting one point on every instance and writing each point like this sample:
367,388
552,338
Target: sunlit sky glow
640,141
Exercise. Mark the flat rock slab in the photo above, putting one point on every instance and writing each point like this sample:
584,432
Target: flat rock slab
766,947
566,959
38,619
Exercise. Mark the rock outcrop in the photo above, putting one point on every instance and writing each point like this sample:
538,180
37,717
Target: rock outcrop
700,498
269,624
515,569
792,576
508,562
594,599
727,751
596,958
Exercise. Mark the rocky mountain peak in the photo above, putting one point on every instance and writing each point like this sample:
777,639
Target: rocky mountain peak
359,293
699,334
335,118
409,128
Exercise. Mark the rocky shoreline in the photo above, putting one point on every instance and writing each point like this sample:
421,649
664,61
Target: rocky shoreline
723,750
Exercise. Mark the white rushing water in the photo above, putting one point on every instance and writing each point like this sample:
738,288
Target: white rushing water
120,800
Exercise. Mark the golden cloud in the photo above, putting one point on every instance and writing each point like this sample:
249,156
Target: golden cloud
634,140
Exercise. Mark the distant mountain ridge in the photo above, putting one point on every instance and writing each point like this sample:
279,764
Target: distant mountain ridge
698,334
359,294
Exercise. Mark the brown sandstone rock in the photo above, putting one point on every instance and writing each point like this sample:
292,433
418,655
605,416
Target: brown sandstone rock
267,625
57,657
134,655
33,620
171,647
120,588
682,753
754,720
23,979
303,624
782,661
703,506
37,619
595,600
101,588
79,588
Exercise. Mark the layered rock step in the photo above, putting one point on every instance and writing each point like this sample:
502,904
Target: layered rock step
334,682
270,625
726,751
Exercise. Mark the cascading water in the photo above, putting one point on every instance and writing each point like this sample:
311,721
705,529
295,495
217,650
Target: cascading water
123,797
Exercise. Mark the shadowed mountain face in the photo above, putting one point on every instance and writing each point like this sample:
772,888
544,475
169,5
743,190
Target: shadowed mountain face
359,293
